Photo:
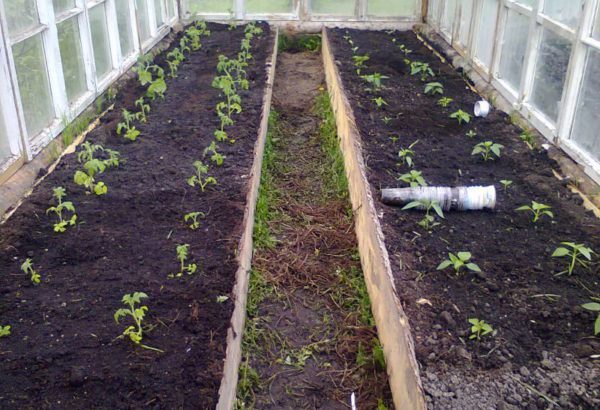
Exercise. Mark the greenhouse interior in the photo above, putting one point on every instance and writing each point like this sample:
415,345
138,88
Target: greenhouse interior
300,204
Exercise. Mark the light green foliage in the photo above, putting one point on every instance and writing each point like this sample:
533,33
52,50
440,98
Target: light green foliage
444,101
461,117
488,150
359,62
215,156
74,128
538,209
421,69
4,330
174,59
380,102
374,79
111,94
428,221
158,88
594,307
506,183
406,155
479,328
131,133
471,134
27,268
93,166
458,262
578,254
528,138
413,178
137,313
201,178
434,88
146,70
144,109
59,193
381,405
182,256
192,219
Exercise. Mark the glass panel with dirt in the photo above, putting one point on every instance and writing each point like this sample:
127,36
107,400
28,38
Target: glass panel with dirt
486,32
143,20
398,8
21,16
514,45
124,26
158,13
72,59
334,7
566,12
269,6
210,6
60,6
5,152
100,41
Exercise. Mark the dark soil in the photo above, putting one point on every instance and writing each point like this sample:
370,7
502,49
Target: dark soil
533,331
62,352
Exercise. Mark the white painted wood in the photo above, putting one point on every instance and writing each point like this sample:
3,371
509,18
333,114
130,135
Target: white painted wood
113,34
133,26
531,53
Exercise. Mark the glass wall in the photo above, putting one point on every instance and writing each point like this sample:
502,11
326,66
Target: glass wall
71,55
269,6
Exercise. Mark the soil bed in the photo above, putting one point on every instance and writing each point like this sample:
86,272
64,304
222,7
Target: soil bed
541,352
62,352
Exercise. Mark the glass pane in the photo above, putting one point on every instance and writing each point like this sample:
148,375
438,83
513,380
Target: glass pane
158,13
587,122
124,26
210,6
386,8
170,9
268,6
484,37
448,16
550,73
33,82
100,42
143,23
21,15
596,31
63,5
72,59
528,3
513,48
566,12
432,11
466,10
335,7
5,152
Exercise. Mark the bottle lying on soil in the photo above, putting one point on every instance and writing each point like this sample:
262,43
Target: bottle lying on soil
458,198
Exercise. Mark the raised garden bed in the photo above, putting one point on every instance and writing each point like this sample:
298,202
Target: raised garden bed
540,353
63,349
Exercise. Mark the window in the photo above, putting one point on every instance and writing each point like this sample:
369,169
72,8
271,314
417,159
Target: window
100,41
158,13
5,152
271,6
21,16
143,20
486,30
566,12
72,59
448,16
386,8
596,29
334,7
124,26
170,9
60,6
466,11
514,44
210,6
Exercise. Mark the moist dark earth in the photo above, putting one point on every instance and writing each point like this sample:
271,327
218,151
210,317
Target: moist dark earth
540,354
63,351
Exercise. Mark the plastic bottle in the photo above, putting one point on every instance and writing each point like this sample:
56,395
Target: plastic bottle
458,198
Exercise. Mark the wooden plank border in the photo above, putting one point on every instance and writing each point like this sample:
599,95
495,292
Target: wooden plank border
392,323
233,355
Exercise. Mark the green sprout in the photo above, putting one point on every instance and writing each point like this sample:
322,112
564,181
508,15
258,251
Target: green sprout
421,69
27,268
193,217
131,133
4,330
87,179
406,155
471,134
61,226
380,102
479,328
199,178
506,183
182,256
413,178
135,333
216,156
461,117
444,101
574,251
458,261
538,209
529,140
374,79
488,150
594,307
434,88
359,62
144,109
428,220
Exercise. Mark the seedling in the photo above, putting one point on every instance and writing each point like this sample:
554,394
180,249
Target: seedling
488,150
193,217
200,178
574,251
374,79
479,328
405,50
87,179
111,94
59,193
216,156
145,69
529,140
444,101
183,45
394,138
461,117
222,299
386,120
4,330
458,262
157,88
131,133
135,333
506,183
182,256
174,59
421,69
87,151
406,155
594,307
428,221
144,109
27,268
359,62
471,134
538,209
434,88
413,178
380,102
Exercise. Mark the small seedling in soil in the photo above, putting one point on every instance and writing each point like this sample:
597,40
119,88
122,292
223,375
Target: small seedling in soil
157,88
506,183
374,79
405,50
413,178
488,150
406,155
461,117
421,69
131,133
111,94
529,140
459,261
594,307
434,88
538,209
574,251
471,134
394,138
87,151
216,157
27,268
359,62
4,330
193,217
144,109
380,102
386,120
200,178
428,221
137,313
182,256
87,179
479,328
444,101
61,225
222,299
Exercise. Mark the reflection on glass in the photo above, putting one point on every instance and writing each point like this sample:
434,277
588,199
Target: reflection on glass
566,12
513,49
335,7
5,152
486,30
100,42
71,58
144,21
21,15
124,26
269,6
61,6
587,121
210,6
386,8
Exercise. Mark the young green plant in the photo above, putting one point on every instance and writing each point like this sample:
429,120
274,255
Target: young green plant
61,226
594,307
461,117
577,253
428,220
137,313
458,262
421,69
488,150
434,88
192,219
479,328
131,133
27,268
538,209
406,155
201,178
4,330
444,101
413,178
182,255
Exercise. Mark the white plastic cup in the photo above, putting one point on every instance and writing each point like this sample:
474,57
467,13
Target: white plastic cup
482,108
459,198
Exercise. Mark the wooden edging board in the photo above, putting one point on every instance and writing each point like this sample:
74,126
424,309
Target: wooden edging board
392,323
233,354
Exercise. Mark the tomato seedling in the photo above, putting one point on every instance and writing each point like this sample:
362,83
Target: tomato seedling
193,217
406,155
461,117
374,79
216,156
529,140
538,210
444,101
59,193
137,313
434,88
131,133
421,69
200,178
359,62
380,102
471,134
144,109
458,262
4,330
27,268
479,328
578,253
182,256
488,150
428,220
